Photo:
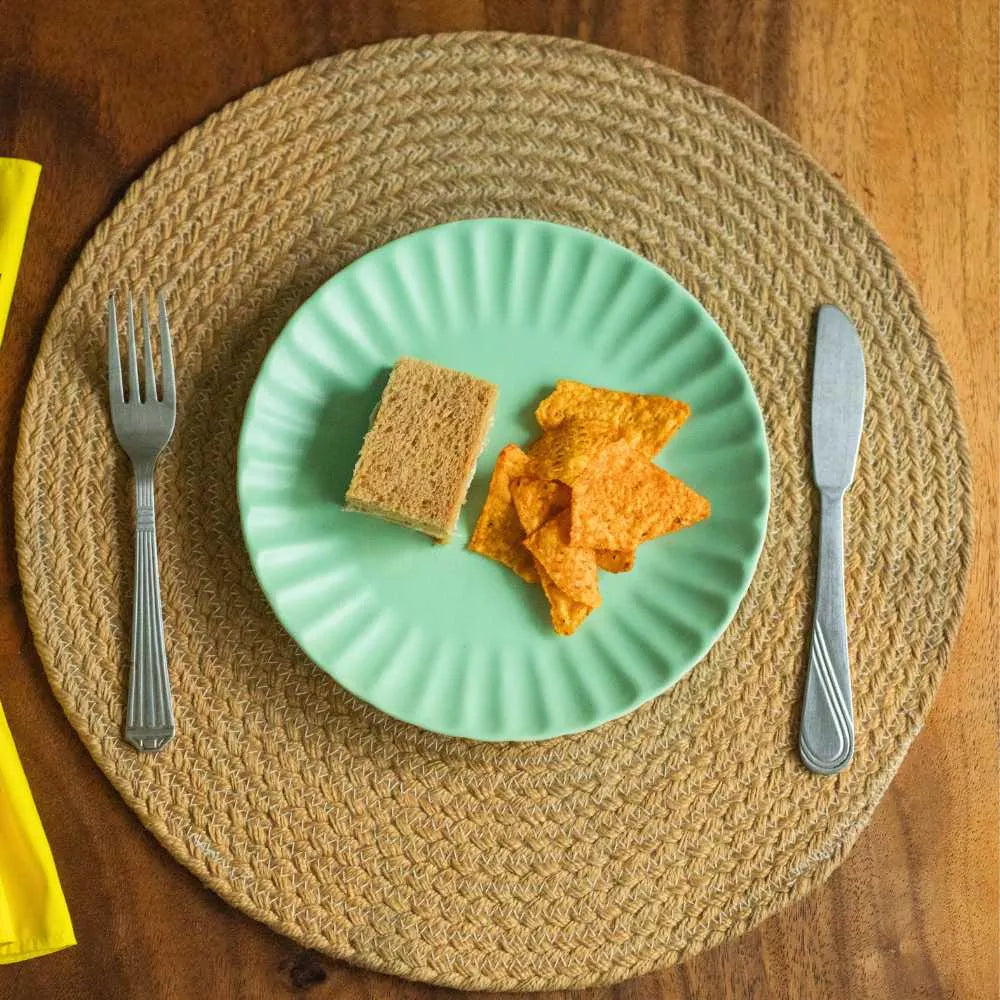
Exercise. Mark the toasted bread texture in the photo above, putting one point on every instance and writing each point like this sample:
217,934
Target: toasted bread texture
419,454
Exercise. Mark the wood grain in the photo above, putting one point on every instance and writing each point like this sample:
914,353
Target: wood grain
898,100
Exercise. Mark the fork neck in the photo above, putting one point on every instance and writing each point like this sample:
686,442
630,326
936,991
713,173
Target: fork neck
144,486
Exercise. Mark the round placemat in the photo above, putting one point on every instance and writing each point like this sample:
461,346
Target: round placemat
582,860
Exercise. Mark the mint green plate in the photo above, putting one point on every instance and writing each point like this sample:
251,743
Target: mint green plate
434,634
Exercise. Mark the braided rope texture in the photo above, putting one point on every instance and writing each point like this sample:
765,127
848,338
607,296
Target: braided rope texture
579,861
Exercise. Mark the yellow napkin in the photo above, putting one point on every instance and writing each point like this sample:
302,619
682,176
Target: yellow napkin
18,181
33,915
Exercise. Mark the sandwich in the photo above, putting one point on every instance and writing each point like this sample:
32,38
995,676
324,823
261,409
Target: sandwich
419,455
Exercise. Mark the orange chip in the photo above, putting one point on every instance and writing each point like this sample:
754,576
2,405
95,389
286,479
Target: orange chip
565,451
536,501
567,615
615,560
574,571
646,422
623,499
498,533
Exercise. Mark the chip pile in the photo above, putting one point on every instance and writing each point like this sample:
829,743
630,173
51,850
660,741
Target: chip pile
585,495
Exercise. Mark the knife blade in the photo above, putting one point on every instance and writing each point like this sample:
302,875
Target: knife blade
826,736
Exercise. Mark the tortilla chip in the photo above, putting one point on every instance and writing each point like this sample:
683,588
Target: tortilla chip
537,501
623,500
615,560
567,615
646,422
565,451
574,571
498,533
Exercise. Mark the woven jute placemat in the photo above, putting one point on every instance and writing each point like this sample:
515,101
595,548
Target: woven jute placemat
582,860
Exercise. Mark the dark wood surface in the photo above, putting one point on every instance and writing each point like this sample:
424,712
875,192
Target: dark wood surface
897,99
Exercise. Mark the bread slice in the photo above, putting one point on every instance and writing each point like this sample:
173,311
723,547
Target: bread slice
420,453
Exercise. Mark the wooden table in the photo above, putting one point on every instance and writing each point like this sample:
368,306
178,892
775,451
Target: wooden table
897,99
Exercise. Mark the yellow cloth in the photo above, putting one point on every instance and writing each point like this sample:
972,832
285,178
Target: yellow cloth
18,182
33,915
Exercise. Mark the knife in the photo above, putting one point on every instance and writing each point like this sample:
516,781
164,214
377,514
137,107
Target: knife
826,737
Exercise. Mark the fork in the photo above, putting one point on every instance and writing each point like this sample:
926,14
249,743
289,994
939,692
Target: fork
143,425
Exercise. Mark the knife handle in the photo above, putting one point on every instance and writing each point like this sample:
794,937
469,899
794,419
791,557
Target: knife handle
826,738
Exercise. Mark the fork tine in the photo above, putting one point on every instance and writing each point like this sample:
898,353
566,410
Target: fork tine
147,352
166,353
133,366
114,354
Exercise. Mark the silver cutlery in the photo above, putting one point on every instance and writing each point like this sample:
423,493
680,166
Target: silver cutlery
826,737
143,423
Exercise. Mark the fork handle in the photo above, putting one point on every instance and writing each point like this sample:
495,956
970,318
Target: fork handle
826,739
149,718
